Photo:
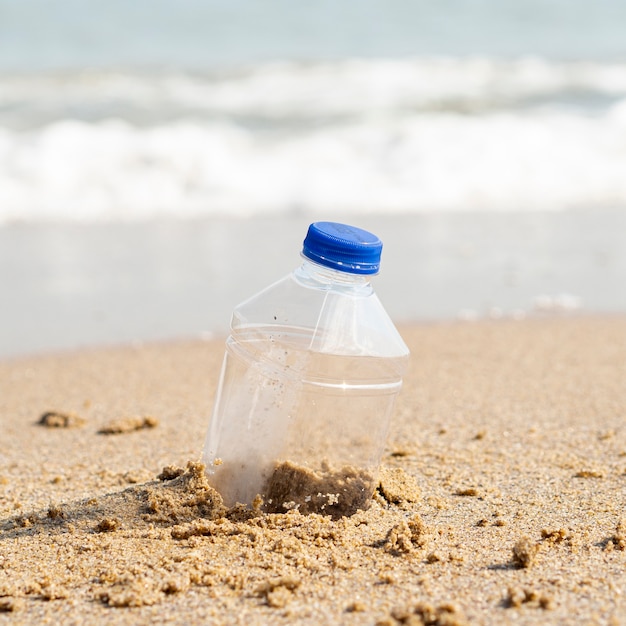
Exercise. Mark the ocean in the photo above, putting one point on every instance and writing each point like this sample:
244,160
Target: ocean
160,161
126,111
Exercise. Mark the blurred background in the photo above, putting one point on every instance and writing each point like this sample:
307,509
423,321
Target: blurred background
161,160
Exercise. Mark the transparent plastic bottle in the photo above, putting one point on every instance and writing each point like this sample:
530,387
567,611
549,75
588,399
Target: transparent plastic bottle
311,370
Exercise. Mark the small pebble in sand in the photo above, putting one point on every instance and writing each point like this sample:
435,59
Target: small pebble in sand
128,425
57,419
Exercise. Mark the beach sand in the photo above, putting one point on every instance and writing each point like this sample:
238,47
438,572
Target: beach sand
506,503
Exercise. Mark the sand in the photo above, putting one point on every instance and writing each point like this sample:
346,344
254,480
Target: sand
503,499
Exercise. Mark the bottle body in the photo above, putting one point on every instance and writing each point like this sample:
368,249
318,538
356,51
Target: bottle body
311,371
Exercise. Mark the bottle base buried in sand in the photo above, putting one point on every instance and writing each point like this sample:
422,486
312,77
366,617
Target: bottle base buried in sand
288,416
302,410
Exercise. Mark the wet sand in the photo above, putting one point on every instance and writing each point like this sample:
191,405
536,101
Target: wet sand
507,503
79,284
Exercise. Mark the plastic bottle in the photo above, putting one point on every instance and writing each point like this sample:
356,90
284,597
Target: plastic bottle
311,370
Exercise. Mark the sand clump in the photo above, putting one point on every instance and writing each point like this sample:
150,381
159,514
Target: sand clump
398,487
128,425
332,492
555,535
278,591
59,419
525,552
405,536
10,604
107,525
517,597
185,497
426,614
337,493
618,540
130,591
122,580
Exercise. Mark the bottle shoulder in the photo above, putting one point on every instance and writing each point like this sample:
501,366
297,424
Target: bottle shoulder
332,320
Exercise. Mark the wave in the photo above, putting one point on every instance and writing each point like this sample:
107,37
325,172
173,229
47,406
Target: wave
292,91
74,170
353,136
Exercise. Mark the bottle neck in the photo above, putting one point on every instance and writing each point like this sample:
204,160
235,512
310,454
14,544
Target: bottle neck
319,276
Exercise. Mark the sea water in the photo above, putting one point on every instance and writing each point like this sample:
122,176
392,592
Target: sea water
274,108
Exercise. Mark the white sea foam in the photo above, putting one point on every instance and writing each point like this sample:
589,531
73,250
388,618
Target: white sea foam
296,90
405,136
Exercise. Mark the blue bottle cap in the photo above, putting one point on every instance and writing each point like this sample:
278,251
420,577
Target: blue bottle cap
342,247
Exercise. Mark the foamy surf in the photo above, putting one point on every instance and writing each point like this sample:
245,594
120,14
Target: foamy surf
356,136
291,91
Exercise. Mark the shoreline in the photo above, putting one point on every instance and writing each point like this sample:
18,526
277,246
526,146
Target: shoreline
218,337
512,432
74,285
